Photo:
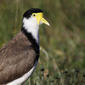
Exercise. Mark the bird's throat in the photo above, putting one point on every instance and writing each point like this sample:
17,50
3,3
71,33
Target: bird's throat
31,26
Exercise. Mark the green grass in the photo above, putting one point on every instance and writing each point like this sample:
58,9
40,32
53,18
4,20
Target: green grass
62,57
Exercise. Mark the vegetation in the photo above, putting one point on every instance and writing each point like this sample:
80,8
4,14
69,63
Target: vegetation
62,57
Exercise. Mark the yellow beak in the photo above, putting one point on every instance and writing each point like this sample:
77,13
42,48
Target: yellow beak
40,19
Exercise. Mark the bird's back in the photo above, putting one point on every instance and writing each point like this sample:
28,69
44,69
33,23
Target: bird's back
15,58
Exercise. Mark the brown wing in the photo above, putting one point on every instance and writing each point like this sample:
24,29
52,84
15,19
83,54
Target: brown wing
16,58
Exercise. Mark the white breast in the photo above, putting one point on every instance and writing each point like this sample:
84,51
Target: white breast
22,79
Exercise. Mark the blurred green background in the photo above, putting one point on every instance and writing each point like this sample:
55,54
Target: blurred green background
62,56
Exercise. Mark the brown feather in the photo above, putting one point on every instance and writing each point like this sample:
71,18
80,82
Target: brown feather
16,58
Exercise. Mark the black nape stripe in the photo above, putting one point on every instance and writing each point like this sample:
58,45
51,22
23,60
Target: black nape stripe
35,45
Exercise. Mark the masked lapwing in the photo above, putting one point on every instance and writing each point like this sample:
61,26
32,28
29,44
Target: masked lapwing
18,58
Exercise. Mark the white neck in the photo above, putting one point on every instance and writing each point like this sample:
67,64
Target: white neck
31,26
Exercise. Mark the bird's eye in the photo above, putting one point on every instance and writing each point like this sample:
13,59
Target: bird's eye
33,14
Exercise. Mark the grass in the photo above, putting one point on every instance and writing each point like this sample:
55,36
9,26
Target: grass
62,56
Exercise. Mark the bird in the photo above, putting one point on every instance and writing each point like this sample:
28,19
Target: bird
19,57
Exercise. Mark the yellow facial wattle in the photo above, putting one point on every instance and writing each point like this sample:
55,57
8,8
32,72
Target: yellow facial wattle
39,17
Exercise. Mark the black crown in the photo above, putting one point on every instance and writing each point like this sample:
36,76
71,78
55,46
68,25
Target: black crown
28,13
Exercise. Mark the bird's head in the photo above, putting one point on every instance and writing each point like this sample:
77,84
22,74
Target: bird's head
34,16
32,19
